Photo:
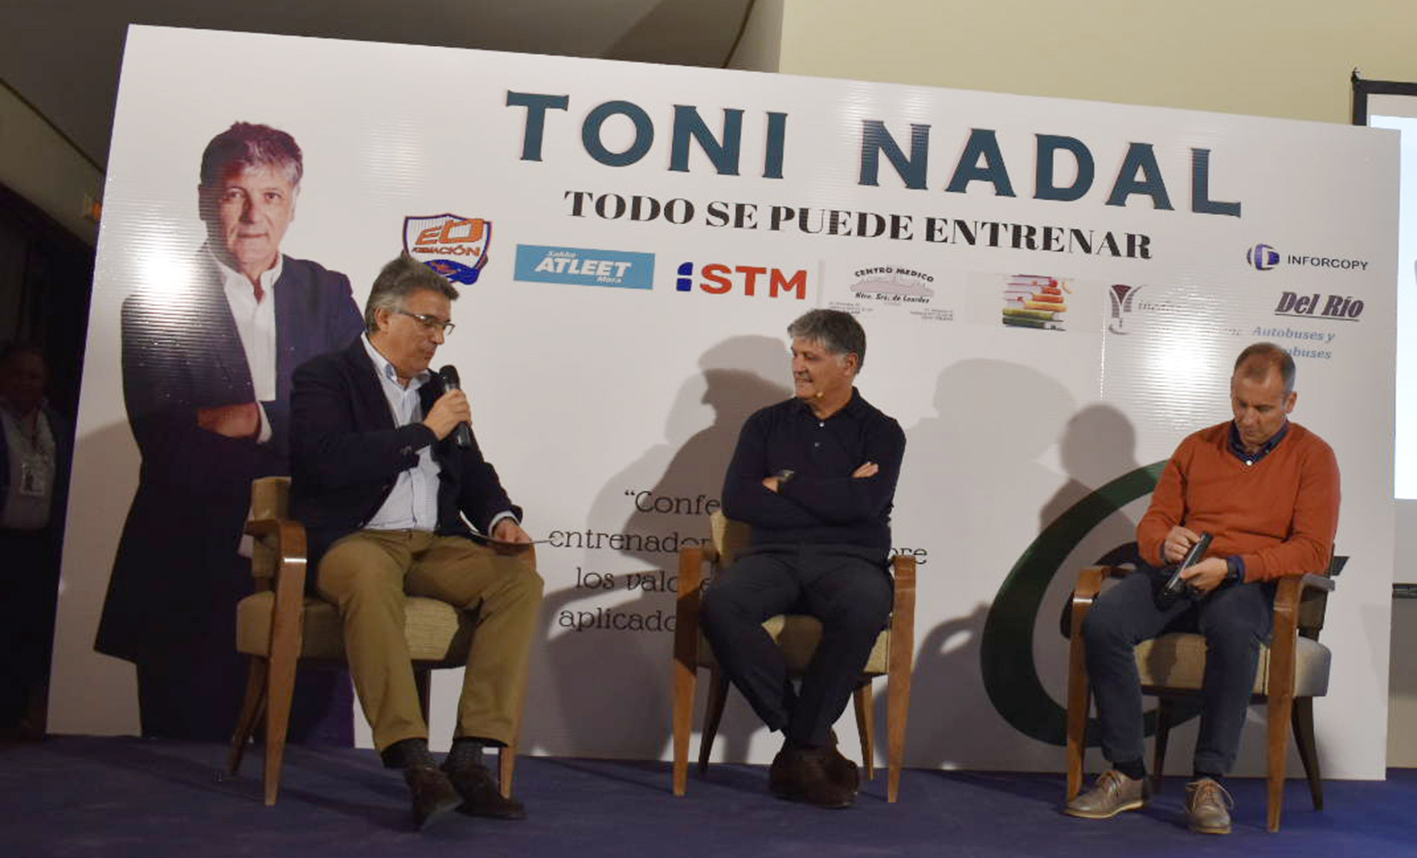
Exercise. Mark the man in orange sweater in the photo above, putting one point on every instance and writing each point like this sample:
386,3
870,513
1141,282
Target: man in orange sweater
1268,492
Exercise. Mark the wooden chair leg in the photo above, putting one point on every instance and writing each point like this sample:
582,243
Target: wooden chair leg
865,727
686,677
1079,701
713,713
252,706
1303,721
280,689
1165,717
506,766
897,711
1280,706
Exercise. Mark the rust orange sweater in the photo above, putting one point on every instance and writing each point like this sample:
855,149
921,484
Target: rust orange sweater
1279,514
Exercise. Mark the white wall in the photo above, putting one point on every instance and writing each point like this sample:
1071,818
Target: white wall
1282,58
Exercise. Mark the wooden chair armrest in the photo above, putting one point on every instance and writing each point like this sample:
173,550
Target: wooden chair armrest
903,611
285,539
1089,584
1091,577
686,604
1291,590
1283,637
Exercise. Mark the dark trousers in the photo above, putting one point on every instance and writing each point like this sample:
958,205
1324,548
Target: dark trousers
845,587
1235,619
31,580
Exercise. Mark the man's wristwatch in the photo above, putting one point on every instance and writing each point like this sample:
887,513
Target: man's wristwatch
1233,575
784,475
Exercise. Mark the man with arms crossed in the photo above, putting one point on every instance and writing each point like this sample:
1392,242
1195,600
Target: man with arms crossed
1268,491
815,477
207,363
380,481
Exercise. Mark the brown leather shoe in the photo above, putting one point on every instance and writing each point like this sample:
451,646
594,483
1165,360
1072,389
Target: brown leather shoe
1113,793
480,795
842,770
1208,807
432,793
800,774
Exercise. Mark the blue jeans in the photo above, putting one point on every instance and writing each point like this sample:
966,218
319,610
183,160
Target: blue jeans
1235,619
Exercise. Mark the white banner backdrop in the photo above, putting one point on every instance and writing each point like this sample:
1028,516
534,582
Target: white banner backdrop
653,231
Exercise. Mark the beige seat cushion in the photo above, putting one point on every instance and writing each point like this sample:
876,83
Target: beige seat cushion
436,631
1177,660
798,635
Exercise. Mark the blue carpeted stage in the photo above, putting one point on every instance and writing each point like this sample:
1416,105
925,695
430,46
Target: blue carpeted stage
81,796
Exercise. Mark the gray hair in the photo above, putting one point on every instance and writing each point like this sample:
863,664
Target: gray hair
250,146
1257,360
838,332
399,279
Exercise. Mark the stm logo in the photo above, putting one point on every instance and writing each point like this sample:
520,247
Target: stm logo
1262,257
719,279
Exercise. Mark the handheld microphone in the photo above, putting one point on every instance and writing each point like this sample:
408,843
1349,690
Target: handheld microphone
449,374
1177,585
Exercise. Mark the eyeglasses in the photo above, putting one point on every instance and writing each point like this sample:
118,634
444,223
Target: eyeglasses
429,322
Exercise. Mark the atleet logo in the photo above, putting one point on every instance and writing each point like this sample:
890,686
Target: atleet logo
452,245
582,266
1262,257
717,278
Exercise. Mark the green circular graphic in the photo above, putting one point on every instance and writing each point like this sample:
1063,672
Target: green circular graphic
1006,649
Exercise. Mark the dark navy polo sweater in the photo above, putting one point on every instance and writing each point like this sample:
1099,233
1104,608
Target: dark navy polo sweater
822,503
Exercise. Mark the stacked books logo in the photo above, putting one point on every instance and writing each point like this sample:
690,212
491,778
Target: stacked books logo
1035,301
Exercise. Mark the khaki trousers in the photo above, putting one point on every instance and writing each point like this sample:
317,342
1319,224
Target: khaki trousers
367,575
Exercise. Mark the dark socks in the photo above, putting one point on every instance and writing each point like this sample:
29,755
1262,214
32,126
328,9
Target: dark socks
407,753
1212,775
1134,769
465,753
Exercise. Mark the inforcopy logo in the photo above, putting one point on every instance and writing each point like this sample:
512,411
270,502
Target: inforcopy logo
1262,257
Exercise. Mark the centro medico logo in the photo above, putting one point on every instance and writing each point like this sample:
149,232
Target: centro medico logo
1262,257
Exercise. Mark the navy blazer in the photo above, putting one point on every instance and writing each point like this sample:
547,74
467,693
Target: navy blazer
177,565
346,454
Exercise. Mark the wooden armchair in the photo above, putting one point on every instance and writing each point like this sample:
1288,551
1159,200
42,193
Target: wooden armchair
279,625
798,636
1293,670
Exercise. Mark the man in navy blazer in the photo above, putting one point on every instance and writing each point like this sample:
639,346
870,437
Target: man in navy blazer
384,467
206,377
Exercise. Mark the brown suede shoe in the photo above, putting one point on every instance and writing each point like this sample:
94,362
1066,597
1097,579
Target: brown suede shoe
1113,793
1208,807
800,774
480,794
432,793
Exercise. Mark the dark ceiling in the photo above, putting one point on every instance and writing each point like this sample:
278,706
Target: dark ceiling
63,56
